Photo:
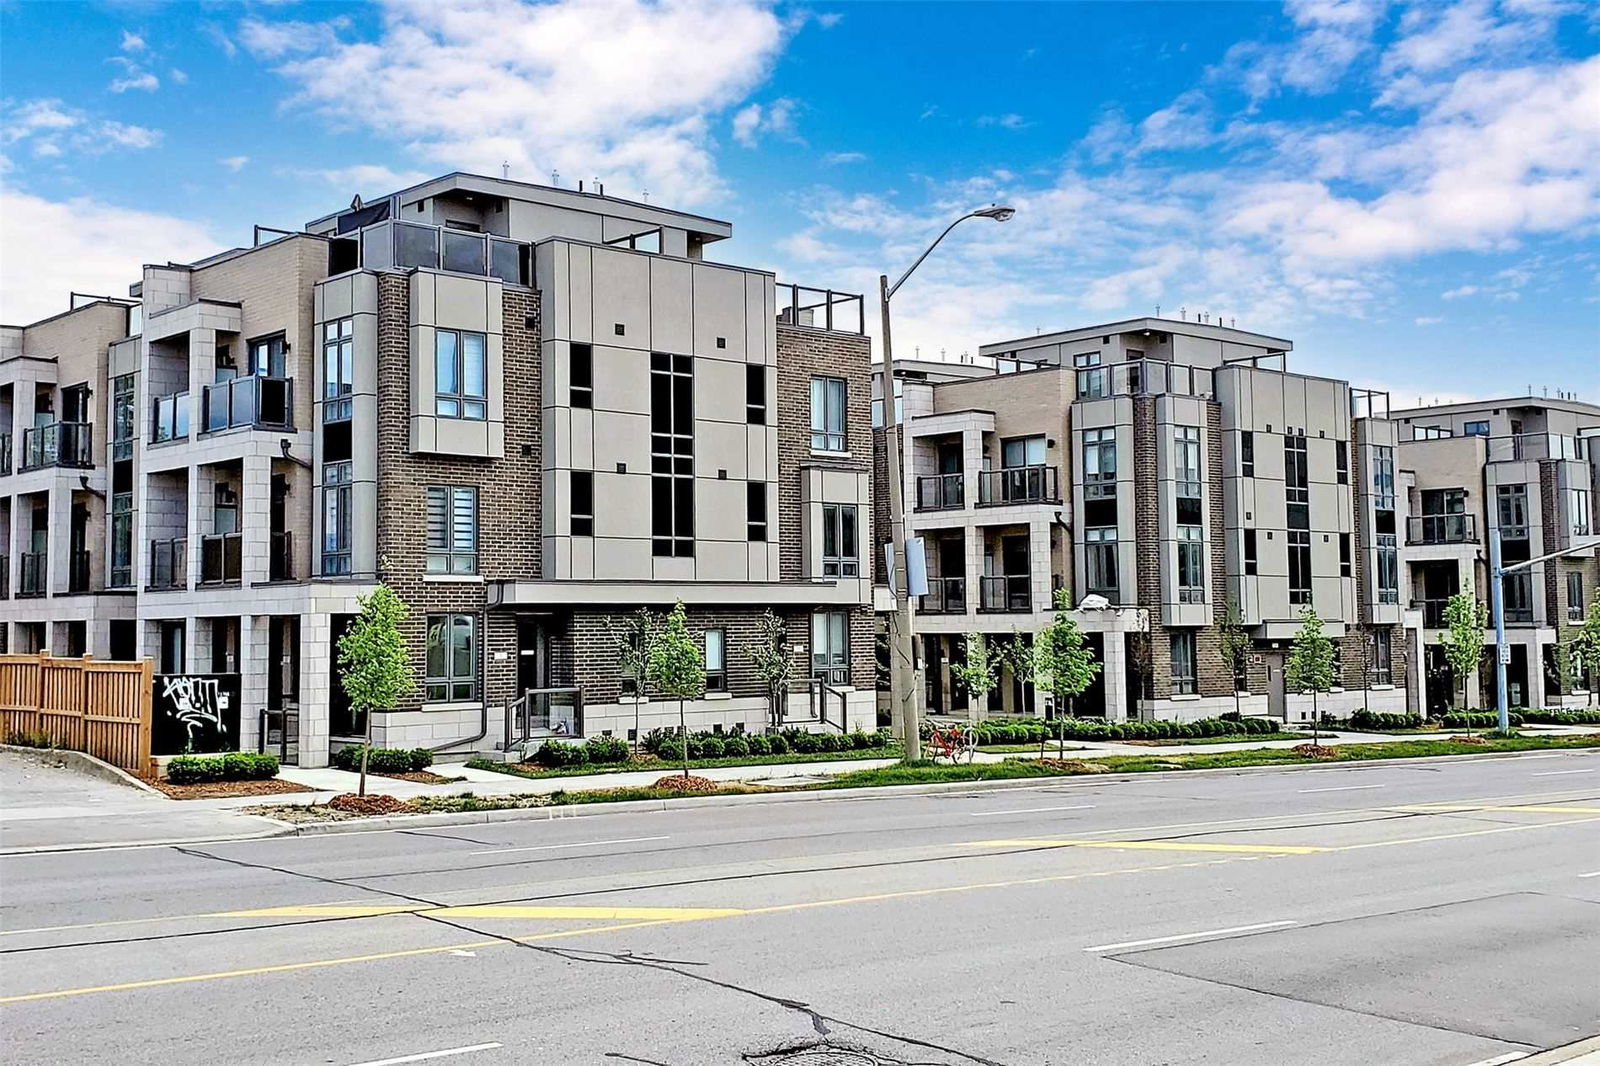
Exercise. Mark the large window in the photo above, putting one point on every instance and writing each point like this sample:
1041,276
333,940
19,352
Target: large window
755,506
1512,501
1186,460
460,374
1575,596
121,540
1578,512
1382,657
828,404
840,557
122,416
1251,563
336,516
1247,454
830,646
1383,478
581,375
582,503
1299,547
1191,565
1341,461
338,368
1345,562
1388,566
1099,461
716,660
1092,377
1022,451
452,529
452,658
267,356
1100,562
1183,659
1295,477
755,394
672,454
1475,429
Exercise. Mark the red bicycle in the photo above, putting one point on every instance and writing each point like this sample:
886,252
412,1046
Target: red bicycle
957,743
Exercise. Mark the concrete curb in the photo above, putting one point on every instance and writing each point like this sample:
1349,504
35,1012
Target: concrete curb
1584,1051
391,823
82,762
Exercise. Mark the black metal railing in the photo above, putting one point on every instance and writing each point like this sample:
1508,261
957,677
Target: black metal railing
169,563
280,566
543,712
5,453
837,312
1442,529
78,572
169,418
33,572
1018,484
250,400
279,732
67,444
1009,592
5,576
221,558
941,492
946,595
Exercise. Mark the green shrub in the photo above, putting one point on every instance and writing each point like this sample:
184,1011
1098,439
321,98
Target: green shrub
805,744
736,746
710,747
604,750
669,749
1562,716
233,766
558,754
778,744
758,744
1479,720
382,760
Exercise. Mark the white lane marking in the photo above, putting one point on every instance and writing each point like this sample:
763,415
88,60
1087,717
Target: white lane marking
1501,1060
1189,936
1341,788
1033,810
424,1056
1559,773
580,844
1595,874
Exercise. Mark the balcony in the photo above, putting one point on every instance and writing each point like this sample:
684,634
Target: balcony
825,309
395,244
253,400
1010,593
946,595
1018,484
169,418
1528,446
5,454
68,444
221,558
1442,529
34,569
941,492
5,576
78,572
280,567
169,564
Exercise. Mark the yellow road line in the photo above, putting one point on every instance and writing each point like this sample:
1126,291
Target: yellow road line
1151,845
1467,833
494,910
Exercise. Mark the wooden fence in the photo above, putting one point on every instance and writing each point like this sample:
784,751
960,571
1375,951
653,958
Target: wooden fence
102,708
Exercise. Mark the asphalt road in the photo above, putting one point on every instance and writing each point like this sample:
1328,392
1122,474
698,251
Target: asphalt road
1377,914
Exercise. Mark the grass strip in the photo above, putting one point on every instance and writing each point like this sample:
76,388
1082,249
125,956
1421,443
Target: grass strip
651,763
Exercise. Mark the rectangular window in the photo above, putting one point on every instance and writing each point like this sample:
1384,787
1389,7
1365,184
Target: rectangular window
1575,596
1518,591
716,660
122,417
1430,432
830,646
672,455
452,658
582,503
266,356
1183,660
581,376
1191,565
1382,657
461,374
1100,462
1247,454
1383,478
1297,484
452,529
121,575
1186,460
1388,566
1299,548
1100,562
1344,555
828,397
1022,451
755,508
1250,563
1512,501
338,368
1578,512
1092,383
755,395
1475,429
1341,461
336,519
839,555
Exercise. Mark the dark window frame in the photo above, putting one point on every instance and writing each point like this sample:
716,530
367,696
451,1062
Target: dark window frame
580,518
443,545
580,375
467,406
447,684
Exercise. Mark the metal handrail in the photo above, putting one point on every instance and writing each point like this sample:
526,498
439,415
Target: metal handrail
249,400
1006,592
35,569
536,711
1018,484
67,444
169,417
941,492
78,572
280,566
169,564
946,595
221,558
1442,529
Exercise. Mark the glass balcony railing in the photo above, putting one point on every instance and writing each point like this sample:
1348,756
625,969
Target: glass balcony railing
33,570
1525,446
251,400
169,418
1009,592
221,558
280,567
1442,529
393,244
5,576
941,492
169,563
78,572
946,595
5,453
1020,484
68,444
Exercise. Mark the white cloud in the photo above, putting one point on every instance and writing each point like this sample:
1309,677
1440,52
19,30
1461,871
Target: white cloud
132,42
234,163
625,89
274,40
52,129
1008,121
81,245
366,178
178,77
141,80
753,122
1427,320
1333,36
1460,293
840,158
746,121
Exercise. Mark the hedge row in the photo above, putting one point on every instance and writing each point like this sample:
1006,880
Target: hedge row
1562,716
598,751
1034,730
1382,722
234,766
1479,720
668,745
383,760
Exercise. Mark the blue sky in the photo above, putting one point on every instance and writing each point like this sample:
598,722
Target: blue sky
1409,192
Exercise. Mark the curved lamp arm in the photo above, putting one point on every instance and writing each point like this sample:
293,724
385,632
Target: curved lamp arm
928,251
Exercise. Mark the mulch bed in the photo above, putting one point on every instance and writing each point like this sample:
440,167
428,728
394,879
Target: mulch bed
226,789
1468,740
1073,766
423,777
374,804
679,783
1315,751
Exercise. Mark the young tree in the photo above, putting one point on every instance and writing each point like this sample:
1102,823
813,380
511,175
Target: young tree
375,670
1465,619
1310,665
1586,647
1062,665
772,656
1233,648
630,640
676,668
977,671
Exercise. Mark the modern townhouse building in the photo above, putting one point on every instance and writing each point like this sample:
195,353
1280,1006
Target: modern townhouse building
1157,470
1527,466
529,410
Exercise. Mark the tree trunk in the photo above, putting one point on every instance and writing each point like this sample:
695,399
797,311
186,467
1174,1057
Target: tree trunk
683,728
1316,722
636,723
366,750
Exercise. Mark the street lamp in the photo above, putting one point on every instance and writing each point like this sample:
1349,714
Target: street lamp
905,696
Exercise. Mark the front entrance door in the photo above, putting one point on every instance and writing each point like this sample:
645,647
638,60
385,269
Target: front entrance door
1277,687
533,655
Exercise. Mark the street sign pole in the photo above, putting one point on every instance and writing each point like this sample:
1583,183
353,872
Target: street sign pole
1497,604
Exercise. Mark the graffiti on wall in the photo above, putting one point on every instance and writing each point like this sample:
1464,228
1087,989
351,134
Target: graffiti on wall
195,713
